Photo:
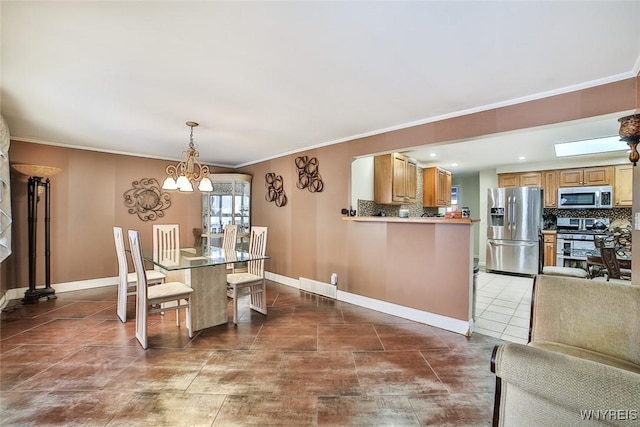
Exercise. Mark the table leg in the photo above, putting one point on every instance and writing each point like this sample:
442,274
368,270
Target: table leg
209,298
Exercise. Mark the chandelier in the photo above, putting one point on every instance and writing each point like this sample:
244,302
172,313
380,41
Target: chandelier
630,133
181,175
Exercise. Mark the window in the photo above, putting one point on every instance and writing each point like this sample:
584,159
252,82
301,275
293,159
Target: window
455,193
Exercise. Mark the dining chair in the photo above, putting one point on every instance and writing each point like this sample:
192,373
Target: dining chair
127,281
252,281
149,297
610,261
166,243
229,240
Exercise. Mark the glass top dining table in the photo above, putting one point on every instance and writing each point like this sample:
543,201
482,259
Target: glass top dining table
188,258
205,270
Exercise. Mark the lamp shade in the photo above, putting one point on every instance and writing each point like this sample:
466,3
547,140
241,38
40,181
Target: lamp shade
184,184
169,184
205,185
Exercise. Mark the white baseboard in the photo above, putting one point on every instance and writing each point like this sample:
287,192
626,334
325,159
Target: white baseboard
18,293
284,280
437,320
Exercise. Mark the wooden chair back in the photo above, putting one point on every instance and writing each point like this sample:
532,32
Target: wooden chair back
229,238
141,288
257,246
610,260
123,271
166,243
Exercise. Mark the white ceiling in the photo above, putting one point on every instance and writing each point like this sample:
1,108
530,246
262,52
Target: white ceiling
265,79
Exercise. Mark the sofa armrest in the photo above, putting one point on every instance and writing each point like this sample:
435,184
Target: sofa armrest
599,316
564,381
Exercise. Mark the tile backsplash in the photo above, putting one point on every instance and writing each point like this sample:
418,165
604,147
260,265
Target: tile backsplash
621,217
371,208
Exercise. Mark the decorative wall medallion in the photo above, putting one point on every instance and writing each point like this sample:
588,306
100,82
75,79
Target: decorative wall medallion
308,174
275,189
146,199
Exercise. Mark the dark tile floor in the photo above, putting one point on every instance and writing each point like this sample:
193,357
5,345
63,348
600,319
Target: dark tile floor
311,362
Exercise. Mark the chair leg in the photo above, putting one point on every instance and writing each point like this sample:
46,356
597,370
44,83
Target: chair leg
235,304
258,298
178,314
188,315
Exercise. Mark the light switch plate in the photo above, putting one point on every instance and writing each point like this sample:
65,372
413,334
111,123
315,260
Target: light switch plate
636,221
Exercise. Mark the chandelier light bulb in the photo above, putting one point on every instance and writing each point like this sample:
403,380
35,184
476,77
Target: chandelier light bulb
184,174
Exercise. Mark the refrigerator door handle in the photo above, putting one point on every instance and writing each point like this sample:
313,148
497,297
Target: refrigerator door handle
509,213
513,215
508,243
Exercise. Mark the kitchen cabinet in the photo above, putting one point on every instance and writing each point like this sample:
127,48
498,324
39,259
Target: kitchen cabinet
521,179
623,186
395,179
549,248
550,189
228,203
436,189
599,175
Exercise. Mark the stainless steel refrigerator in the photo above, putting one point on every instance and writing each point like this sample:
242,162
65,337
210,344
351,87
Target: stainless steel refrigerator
514,223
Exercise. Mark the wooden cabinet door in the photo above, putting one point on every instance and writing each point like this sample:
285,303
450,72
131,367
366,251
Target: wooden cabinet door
508,180
436,188
597,176
399,178
550,189
411,181
623,186
570,177
530,179
444,187
549,250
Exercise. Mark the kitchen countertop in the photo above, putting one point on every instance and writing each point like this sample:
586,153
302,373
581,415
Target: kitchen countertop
412,220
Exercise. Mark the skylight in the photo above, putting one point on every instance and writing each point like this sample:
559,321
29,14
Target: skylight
590,146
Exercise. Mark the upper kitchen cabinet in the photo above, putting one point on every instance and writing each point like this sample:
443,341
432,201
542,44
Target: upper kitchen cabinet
521,179
599,175
436,188
623,186
550,189
395,179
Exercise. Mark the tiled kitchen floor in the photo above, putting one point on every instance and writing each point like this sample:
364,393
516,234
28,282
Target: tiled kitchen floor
311,362
503,306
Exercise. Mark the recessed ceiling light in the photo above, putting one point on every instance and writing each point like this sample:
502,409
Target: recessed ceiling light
522,158
590,146
432,154
454,164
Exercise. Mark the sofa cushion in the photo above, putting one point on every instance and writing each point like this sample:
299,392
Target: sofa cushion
587,354
602,317
565,271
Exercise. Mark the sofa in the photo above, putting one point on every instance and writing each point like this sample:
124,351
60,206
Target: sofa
582,363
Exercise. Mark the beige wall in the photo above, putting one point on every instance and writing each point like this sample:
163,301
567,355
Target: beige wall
86,202
307,237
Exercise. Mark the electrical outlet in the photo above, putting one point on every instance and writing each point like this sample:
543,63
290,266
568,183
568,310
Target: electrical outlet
334,279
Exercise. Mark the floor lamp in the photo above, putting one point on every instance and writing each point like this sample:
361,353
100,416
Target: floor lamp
38,183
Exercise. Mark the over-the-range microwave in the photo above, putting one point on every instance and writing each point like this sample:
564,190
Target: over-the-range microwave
585,197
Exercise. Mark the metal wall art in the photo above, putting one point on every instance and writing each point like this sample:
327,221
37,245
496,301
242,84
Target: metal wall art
275,189
146,199
308,174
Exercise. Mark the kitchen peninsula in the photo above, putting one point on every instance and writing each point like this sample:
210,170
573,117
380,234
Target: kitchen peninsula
416,268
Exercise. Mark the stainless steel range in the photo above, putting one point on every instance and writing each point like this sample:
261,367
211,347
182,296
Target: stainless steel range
576,237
